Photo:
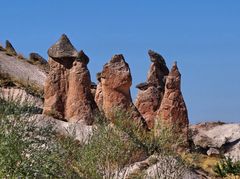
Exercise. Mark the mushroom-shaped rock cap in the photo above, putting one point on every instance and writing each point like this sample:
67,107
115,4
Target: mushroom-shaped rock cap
63,48
83,57
156,57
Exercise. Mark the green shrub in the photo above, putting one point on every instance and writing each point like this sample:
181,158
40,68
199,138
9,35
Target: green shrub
27,150
226,166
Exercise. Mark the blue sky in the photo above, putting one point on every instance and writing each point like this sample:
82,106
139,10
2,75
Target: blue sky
203,36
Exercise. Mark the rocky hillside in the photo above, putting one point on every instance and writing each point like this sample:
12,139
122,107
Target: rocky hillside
62,91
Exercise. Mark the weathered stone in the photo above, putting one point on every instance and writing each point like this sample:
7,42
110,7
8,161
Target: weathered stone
214,135
93,89
151,92
173,110
35,57
20,96
63,49
116,80
213,152
78,131
10,49
68,86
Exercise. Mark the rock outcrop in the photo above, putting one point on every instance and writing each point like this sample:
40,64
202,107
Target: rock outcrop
10,49
150,93
20,97
35,57
173,110
68,86
21,72
224,138
116,81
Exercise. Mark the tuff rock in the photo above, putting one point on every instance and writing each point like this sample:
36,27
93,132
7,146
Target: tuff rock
150,93
173,110
68,85
116,81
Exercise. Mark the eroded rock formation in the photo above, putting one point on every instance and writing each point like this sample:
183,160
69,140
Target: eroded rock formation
116,81
150,93
10,49
173,110
68,86
35,57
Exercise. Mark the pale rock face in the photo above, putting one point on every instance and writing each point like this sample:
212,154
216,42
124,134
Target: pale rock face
20,96
116,81
223,137
173,110
150,93
68,86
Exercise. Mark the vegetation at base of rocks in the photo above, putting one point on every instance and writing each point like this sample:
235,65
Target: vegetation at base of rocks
7,81
227,167
27,150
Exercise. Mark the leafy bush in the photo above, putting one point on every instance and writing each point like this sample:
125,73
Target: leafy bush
226,166
27,150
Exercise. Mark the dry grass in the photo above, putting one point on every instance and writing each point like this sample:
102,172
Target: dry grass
7,81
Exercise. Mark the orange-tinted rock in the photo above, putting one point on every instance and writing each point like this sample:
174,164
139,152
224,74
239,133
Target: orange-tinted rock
116,81
67,88
151,92
173,110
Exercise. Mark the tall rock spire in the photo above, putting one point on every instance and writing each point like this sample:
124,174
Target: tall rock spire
173,110
67,89
151,92
116,81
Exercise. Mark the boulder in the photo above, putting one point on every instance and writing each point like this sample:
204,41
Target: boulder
68,85
116,81
213,152
79,131
207,135
10,49
220,136
173,110
151,92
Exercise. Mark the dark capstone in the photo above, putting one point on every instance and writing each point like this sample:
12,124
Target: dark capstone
63,49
